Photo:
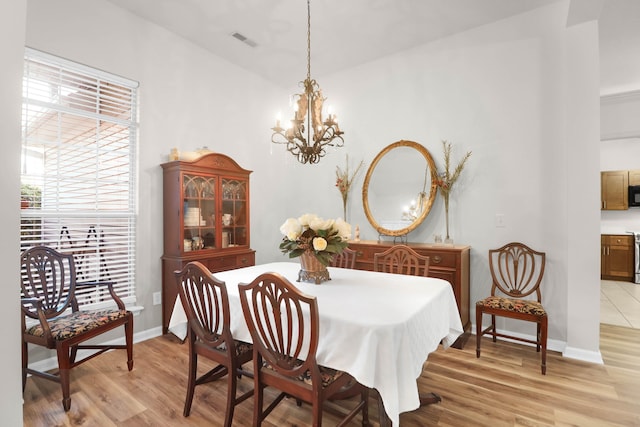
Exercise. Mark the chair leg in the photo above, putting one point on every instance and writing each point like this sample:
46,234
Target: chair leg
257,402
25,362
191,381
73,353
316,409
231,395
365,409
64,364
478,329
543,339
493,326
128,336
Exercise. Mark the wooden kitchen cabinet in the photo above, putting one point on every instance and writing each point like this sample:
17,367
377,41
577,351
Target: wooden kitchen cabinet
617,257
206,219
634,177
614,186
450,263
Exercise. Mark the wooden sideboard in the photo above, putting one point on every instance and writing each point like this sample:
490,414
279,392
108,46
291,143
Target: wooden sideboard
448,262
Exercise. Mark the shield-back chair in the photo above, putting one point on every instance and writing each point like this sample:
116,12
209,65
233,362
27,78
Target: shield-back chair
516,271
52,319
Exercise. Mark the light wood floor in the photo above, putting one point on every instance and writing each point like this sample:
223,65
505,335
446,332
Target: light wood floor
502,388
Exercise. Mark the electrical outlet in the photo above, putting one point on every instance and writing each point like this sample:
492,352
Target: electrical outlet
157,298
500,220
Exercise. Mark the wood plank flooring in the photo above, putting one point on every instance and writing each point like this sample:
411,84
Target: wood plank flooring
502,388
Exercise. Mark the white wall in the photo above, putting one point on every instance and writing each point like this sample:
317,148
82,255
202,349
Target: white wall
12,28
498,90
188,99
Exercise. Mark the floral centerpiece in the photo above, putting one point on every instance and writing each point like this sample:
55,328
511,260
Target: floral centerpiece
316,241
447,178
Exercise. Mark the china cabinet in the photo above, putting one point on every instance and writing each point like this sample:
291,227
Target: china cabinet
206,219
448,262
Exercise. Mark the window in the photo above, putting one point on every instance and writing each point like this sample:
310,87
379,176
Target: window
79,169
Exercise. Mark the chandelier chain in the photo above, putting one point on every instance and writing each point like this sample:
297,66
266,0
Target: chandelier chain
309,39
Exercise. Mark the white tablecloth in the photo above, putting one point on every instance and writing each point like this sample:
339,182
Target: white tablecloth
378,327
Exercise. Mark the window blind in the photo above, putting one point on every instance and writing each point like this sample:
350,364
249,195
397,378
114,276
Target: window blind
78,177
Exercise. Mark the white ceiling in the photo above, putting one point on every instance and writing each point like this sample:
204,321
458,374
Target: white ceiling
345,33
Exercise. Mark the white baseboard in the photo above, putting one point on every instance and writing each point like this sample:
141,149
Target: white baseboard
583,355
52,362
554,345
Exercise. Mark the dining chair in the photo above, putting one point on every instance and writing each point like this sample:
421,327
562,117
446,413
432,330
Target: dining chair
345,259
401,259
284,326
51,316
206,305
516,272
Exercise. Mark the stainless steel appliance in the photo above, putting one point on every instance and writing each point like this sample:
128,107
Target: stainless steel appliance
636,258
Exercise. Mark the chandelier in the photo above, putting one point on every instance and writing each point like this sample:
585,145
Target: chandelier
307,119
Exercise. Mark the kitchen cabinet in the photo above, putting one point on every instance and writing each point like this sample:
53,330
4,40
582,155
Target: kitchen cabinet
448,262
614,186
617,257
206,219
634,177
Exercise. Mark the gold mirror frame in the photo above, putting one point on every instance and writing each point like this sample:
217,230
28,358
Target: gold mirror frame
432,193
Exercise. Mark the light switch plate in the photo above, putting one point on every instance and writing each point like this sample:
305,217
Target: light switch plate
157,298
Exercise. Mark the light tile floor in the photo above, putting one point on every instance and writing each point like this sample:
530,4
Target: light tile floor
620,303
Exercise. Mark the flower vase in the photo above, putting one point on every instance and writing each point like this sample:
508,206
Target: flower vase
447,240
312,270
344,206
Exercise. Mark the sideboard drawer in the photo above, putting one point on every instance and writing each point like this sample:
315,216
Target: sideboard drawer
440,259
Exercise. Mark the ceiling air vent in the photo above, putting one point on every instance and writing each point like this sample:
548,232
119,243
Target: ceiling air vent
244,39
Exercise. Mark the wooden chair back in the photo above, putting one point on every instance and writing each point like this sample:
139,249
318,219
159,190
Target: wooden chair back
206,304
283,323
516,270
345,259
48,286
284,326
401,259
49,277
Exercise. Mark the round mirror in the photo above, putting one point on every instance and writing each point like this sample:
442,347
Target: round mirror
399,188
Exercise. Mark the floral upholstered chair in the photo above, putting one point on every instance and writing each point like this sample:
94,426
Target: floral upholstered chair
517,272
284,326
52,319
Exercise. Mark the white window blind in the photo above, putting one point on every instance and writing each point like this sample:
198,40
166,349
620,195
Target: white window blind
78,182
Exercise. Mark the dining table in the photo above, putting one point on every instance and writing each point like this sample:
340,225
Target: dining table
378,327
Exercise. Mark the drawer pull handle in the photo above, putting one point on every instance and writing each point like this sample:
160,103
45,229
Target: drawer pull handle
358,253
244,260
437,259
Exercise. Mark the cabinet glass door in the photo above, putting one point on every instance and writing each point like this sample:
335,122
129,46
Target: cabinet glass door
234,213
199,210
